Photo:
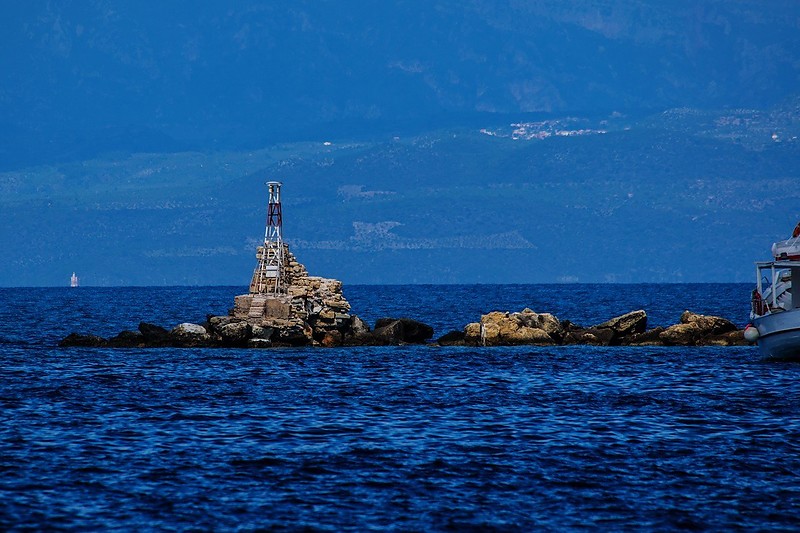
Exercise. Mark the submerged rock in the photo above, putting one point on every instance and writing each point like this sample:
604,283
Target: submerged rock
86,341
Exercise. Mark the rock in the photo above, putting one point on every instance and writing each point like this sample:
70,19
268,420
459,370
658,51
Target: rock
526,335
85,341
188,329
388,331
415,331
568,326
625,325
235,333
731,338
362,339
315,300
472,334
591,336
501,328
154,335
190,335
681,335
452,338
505,329
327,314
324,320
217,322
262,332
695,329
343,321
293,336
494,326
358,326
709,325
647,338
332,338
259,343
127,339
550,325
543,321
383,322
490,333
401,330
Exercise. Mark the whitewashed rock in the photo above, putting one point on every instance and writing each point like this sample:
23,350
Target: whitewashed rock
189,334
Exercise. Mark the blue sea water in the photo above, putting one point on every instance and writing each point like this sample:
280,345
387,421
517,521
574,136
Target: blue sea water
405,438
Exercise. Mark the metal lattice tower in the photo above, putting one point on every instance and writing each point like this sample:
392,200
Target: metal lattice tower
268,275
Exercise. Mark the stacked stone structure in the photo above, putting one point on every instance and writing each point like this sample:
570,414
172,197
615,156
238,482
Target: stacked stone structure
284,307
312,305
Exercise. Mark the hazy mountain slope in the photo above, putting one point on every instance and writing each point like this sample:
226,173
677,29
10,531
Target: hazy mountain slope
85,78
677,196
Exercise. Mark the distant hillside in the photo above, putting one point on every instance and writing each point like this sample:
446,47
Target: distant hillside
82,79
681,195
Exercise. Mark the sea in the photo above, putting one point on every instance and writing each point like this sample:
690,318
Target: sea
405,438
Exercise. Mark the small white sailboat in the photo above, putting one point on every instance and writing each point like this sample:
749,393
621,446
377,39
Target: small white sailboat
73,281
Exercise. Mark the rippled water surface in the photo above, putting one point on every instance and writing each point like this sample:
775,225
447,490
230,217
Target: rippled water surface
410,438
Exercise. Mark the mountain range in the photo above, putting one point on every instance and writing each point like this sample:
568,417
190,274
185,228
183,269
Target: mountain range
418,142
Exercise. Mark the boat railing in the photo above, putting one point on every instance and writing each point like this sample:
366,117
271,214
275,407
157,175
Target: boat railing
758,305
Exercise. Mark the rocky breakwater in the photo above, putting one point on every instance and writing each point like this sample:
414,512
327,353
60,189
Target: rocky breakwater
309,311
230,332
544,329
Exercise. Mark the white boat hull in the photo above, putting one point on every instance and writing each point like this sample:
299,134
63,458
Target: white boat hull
779,334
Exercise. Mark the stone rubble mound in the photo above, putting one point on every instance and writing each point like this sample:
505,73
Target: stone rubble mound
494,329
312,311
543,329
230,332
